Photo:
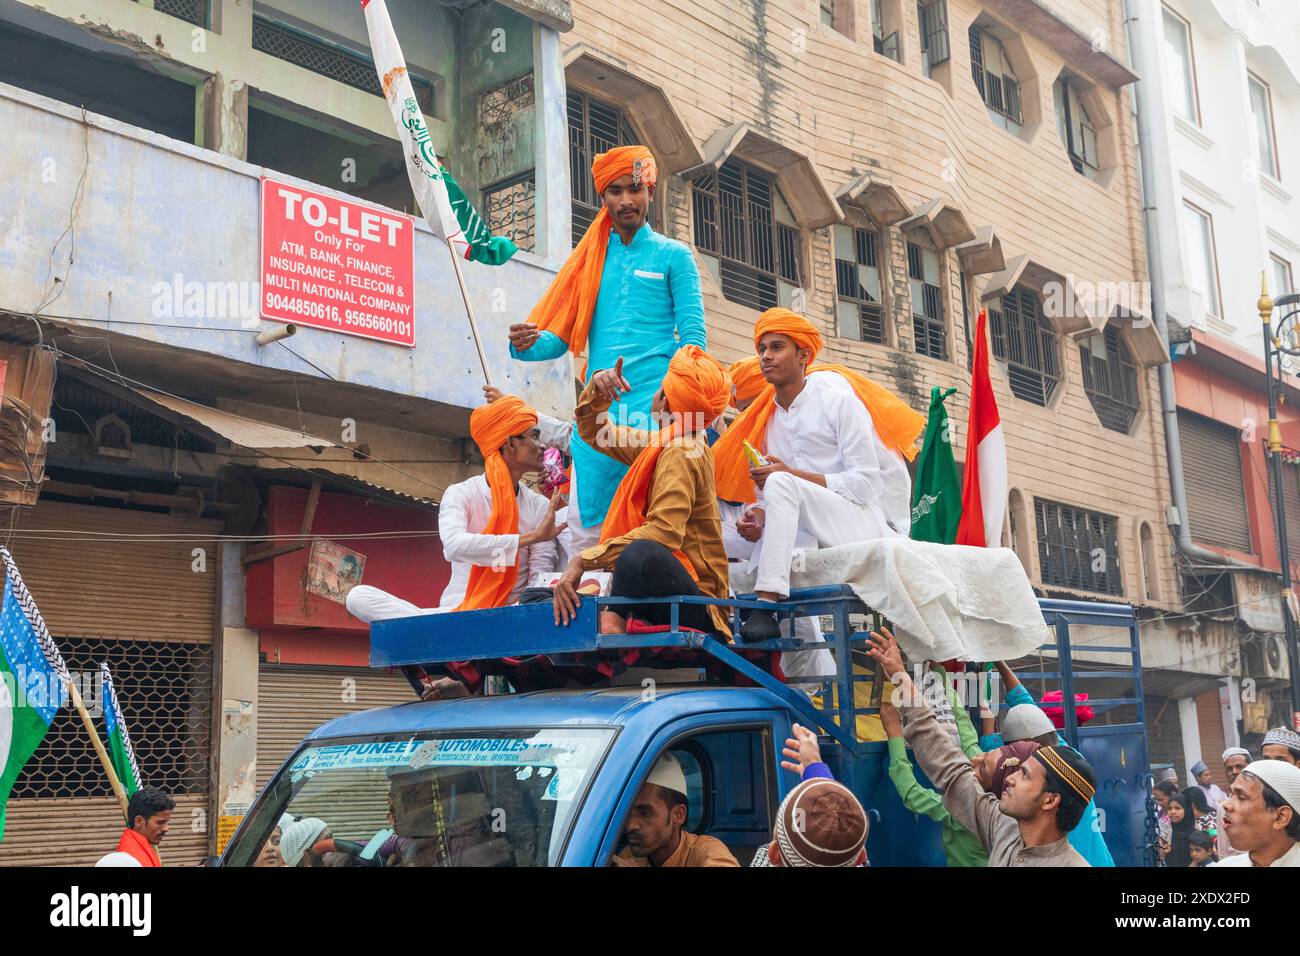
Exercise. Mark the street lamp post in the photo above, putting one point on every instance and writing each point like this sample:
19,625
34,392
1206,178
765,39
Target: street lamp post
1278,342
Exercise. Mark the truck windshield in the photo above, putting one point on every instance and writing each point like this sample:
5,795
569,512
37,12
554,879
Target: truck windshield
490,798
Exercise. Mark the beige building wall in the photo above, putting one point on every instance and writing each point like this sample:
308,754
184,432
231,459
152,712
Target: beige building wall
851,111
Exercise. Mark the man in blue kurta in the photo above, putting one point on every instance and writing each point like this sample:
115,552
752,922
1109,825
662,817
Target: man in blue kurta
627,292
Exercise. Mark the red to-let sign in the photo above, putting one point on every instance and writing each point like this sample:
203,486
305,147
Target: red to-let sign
335,264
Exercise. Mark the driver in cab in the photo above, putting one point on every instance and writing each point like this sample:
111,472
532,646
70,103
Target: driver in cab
654,827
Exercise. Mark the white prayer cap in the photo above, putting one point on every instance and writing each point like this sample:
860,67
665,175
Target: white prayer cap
1281,776
668,773
1025,722
285,820
1235,752
300,835
117,858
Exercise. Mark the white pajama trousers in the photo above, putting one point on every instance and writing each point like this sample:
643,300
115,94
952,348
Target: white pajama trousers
794,505
371,604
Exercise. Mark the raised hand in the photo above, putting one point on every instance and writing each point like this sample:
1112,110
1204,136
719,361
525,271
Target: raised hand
547,529
523,335
491,393
610,383
801,750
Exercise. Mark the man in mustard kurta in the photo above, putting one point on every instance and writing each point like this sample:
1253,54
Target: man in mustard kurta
662,536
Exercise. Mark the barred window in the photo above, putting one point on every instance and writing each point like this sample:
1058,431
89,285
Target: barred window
1078,548
1024,339
510,210
1075,128
327,59
741,219
1110,379
191,11
932,19
164,690
594,127
859,306
928,324
994,78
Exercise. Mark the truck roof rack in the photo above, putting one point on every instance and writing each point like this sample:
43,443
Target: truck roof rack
529,630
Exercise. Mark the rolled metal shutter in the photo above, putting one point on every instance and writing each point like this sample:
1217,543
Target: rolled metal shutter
1209,722
138,603
1216,492
1291,499
294,701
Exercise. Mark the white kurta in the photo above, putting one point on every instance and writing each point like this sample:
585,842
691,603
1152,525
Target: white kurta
868,491
462,515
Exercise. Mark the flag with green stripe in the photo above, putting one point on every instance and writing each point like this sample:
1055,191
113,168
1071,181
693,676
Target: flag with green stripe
120,752
483,246
936,493
33,679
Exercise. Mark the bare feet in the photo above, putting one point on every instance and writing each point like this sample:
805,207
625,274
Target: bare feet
612,623
444,688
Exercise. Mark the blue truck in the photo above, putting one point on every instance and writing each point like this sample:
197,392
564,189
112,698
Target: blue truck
546,777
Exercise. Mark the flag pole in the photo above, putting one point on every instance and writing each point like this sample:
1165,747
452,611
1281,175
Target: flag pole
469,311
118,790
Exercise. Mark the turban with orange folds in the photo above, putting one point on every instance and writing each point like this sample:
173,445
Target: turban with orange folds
490,427
569,302
746,378
697,389
897,424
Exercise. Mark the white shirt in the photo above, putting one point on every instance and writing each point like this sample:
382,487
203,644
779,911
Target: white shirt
463,514
1290,858
827,430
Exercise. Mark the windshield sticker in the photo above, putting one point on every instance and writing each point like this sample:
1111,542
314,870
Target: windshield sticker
536,752
389,753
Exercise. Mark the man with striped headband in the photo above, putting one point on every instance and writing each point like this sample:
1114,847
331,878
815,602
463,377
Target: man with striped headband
625,291
662,536
836,445
494,530
1042,801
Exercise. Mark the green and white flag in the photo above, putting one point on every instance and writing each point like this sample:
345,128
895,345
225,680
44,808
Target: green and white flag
936,493
483,246
33,680
120,752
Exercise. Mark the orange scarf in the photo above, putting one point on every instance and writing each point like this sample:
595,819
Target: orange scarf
570,300
134,844
490,427
897,424
697,389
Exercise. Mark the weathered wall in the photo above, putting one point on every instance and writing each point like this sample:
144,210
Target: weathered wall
773,64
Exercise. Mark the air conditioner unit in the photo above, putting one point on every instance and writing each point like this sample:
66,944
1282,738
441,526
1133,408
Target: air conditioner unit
1272,656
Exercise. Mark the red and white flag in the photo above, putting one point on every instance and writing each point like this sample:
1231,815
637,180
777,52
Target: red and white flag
421,161
984,484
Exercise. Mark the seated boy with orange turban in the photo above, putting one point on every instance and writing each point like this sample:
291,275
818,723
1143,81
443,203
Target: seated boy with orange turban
835,444
625,291
495,531
662,536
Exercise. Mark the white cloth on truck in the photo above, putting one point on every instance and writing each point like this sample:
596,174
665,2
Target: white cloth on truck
944,600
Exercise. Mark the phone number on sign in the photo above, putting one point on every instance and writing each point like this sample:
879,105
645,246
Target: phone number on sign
349,317
303,307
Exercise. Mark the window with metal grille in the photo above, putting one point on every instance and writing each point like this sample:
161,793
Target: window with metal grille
995,79
1110,379
932,20
1075,128
886,45
928,324
320,56
197,12
510,210
859,308
1023,338
164,690
594,127
1291,503
1078,548
736,219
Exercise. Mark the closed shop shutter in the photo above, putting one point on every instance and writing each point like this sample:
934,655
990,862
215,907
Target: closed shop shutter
1216,493
1291,500
109,595
1209,721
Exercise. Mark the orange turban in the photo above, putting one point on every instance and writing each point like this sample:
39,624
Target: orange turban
490,427
697,389
747,378
897,424
569,302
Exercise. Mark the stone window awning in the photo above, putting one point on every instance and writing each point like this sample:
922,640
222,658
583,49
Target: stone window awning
1060,305
1076,46
946,224
983,254
645,104
804,190
1139,333
556,14
876,197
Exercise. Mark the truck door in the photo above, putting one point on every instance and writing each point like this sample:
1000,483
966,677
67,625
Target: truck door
730,764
